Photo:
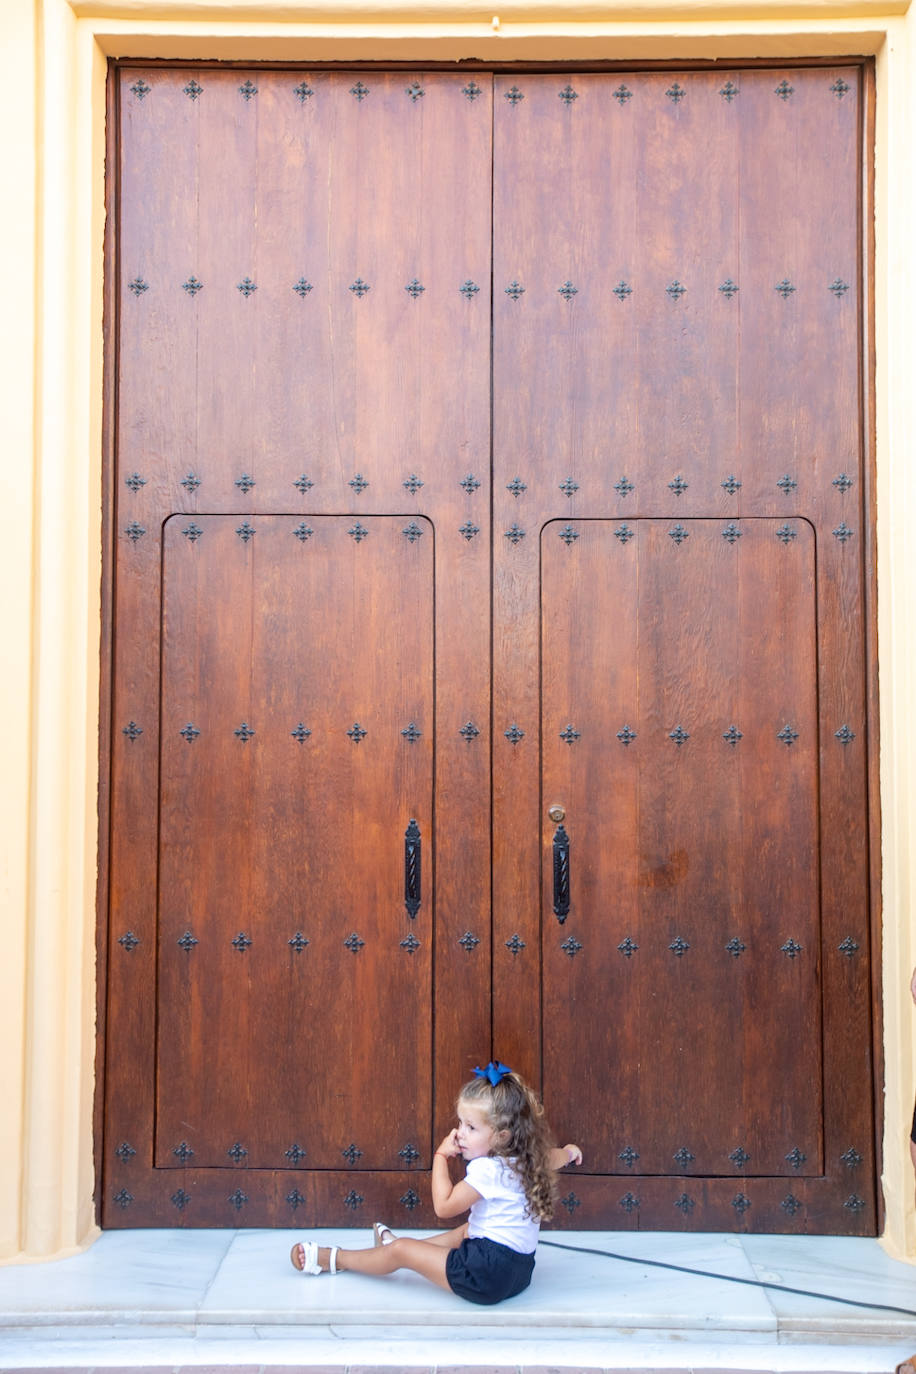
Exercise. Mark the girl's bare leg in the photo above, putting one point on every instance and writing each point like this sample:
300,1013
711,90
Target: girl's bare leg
424,1257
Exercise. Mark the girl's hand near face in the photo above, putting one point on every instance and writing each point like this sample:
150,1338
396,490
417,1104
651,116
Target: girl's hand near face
565,1154
449,1146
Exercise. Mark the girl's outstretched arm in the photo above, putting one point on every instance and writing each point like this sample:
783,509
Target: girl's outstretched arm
450,1199
565,1154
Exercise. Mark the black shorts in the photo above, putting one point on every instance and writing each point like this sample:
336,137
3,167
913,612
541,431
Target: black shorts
485,1272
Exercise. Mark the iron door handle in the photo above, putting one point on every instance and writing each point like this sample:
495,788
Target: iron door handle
413,892
561,874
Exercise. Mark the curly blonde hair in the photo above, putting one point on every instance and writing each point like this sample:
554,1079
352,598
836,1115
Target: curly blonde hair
512,1107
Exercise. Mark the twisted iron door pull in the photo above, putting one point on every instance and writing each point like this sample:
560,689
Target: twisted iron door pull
561,874
412,876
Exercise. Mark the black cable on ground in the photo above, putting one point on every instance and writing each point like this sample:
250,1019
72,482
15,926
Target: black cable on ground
728,1278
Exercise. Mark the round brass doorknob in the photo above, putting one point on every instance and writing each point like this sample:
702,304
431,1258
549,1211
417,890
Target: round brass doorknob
556,813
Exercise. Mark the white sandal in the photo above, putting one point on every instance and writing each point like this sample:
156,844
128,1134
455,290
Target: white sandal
310,1263
380,1231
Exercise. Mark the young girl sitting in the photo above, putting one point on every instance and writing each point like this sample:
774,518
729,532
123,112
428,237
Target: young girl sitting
508,1187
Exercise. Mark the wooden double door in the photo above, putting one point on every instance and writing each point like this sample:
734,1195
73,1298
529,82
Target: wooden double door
489,671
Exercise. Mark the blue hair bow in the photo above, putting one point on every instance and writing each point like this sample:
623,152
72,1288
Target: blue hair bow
494,1072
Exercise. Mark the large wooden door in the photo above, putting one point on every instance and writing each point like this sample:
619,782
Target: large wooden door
488,640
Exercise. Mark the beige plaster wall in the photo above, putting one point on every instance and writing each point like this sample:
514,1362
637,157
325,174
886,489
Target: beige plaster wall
52,96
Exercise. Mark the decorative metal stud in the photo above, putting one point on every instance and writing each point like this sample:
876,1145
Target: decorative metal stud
469,731
675,93
125,1152
628,947
567,290
413,484
784,90
360,91
851,1158
138,286
848,947
622,95
678,486
569,487
628,1155
679,735
191,482
626,735
629,1203
842,532
515,945
469,289
569,735
570,1202
514,290
302,288
360,287
679,946
295,1199
353,943
415,91
410,1199
676,290
237,1199
568,535
785,288
414,288
189,733
513,95
568,95
838,287
516,486
729,288
351,1154
736,947
183,1152
141,88
842,483
787,735
132,730
786,484
790,1204
844,734
786,533
298,943
411,734
302,531
571,947
193,89
468,942
741,1203
303,92
731,484
135,531
410,1154
359,483
237,1151
245,483
470,483
839,88
796,1158
358,532
791,949
622,290
514,734
123,1198
303,484
729,91
187,942
514,533
624,533
412,868
130,941
469,529
679,534
242,942
353,1200
472,91
732,735
192,286
356,732
243,732
247,287
411,943
135,481
180,1199
245,531
683,1157
684,1204
248,90
301,733
412,532
854,1203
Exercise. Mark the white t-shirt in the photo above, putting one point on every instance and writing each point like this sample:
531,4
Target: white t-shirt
501,1214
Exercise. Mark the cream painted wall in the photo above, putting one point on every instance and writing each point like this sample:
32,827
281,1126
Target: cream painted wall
53,96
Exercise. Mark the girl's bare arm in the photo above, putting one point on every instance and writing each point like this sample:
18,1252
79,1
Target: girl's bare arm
565,1154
